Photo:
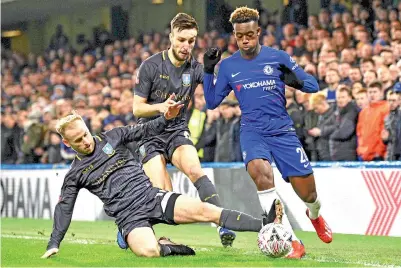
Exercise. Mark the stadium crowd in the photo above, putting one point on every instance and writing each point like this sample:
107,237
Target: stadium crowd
354,54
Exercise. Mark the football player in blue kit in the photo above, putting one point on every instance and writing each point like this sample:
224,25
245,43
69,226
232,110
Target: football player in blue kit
258,75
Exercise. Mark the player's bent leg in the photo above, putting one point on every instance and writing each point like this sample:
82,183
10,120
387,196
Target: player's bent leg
185,158
261,172
143,243
305,188
155,169
190,210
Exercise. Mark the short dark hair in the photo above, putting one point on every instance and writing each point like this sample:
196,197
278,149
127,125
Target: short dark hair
367,60
183,21
244,14
362,91
375,84
346,89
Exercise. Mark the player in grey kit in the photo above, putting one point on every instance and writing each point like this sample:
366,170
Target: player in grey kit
173,71
106,168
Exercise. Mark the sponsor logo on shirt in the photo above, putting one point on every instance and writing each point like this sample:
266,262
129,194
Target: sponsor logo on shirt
165,77
269,84
186,80
86,170
234,75
111,169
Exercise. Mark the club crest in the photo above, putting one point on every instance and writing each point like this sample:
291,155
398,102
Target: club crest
142,151
186,80
108,149
268,70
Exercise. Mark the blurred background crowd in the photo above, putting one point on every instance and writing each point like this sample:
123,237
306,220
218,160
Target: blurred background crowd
354,51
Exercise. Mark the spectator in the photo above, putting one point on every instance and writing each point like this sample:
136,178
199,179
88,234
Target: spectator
384,76
391,134
310,119
207,141
355,87
224,124
32,146
235,146
371,123
296,112
343,139
367,65
332,80
361,99
324,127
343,71
337,7
355,75
369,77
9,141
197,119
59,40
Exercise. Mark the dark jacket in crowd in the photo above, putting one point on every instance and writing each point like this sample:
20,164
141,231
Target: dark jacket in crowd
326,124
392,123
309,122
343,139
207,141
223,150
235,146
9,145
297,114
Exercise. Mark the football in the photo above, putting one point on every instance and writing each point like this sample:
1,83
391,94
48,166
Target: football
274,240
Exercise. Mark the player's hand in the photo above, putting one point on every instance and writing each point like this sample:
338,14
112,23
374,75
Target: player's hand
211,57
50,252
289,78
163,107
173,110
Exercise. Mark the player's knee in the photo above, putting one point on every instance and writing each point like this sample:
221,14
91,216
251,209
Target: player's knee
205,212
310,197
262,176
148,251
195,172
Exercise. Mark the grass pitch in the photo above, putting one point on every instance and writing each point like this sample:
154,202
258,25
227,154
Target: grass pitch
23,241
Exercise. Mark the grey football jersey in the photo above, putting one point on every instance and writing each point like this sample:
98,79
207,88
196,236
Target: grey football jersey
158,78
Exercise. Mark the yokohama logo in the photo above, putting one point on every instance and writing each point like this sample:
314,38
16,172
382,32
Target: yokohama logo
386,193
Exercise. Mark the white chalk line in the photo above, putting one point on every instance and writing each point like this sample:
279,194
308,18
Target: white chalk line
91,242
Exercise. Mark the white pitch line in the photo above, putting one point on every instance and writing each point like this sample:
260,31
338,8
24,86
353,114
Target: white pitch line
73,241
90,242
372,264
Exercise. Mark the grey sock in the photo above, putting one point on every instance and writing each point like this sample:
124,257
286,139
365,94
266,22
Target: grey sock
238,221
207,191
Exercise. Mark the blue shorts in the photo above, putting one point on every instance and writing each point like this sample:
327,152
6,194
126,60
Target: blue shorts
285,149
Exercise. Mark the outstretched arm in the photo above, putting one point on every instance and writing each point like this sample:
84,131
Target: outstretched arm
154,127
214,93
62,215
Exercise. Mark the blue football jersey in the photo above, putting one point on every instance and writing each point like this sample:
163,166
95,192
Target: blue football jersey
258,88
